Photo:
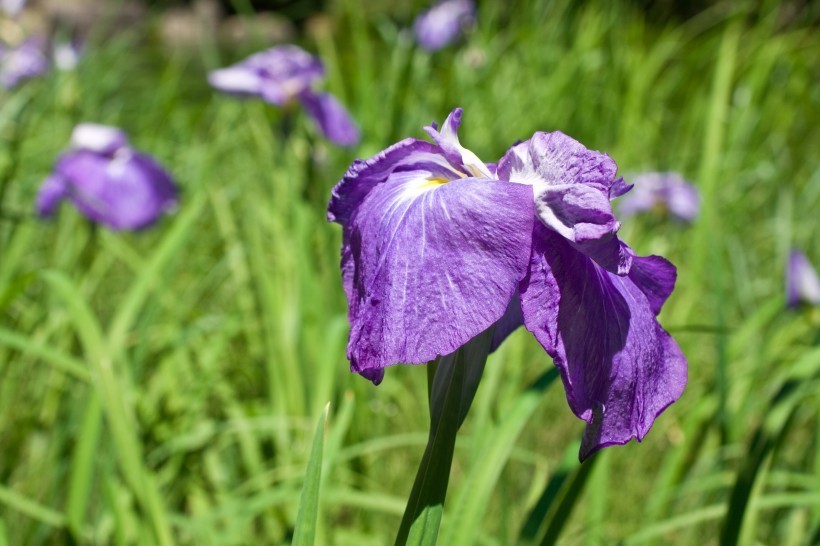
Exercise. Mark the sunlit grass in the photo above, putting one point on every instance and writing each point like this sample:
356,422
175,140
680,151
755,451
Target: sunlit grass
164,386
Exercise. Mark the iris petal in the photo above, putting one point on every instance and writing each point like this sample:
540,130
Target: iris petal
428,268
364,175
331,117
619,367
572,187
50,194
460,157
508,323
130,191
802,282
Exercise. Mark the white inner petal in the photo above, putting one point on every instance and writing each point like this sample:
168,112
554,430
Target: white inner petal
97,138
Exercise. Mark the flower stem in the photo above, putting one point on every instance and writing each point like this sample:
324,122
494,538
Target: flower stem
452,387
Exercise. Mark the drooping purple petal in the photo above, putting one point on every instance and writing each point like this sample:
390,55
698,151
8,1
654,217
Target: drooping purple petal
25,61
51,193
129,191
331,117
656,277
662,190
374,375
430,265
443,23
508,323
619,367
802,282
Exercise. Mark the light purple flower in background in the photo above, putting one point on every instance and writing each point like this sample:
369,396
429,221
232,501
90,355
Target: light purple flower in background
12,7
443,23
287,73
802,283
25,61
108,181
662,190
438,246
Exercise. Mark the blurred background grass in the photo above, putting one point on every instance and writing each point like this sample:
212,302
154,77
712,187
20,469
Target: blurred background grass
162,387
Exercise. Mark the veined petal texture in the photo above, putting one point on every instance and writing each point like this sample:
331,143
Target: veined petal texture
365,175
572,187
431,265
619,367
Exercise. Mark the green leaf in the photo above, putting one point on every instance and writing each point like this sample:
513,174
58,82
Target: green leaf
471,505
453,388
553,509
306,518
767,437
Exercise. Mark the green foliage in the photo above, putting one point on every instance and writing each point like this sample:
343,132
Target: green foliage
305,532
162,387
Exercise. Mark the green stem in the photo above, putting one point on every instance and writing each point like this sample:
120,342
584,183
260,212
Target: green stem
453,387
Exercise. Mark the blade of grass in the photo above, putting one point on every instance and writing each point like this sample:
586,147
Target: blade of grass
58,360
121,422
19,503
82,465
547,519
766,438
452,391
470,506
306,519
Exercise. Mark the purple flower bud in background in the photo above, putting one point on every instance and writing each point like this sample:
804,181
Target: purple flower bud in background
108,181
283,74
662,190
443,23
802,283
437,247
25,61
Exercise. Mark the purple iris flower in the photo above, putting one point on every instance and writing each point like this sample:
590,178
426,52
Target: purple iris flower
662,190
283,74
438,246
443,23
802,283
25,61
108,181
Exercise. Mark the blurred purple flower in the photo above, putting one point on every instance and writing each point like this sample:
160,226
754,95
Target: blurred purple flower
283,74
802,283
22,62
438,246
443,23
665,190
108,181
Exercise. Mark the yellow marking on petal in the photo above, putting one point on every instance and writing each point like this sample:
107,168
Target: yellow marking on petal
432,183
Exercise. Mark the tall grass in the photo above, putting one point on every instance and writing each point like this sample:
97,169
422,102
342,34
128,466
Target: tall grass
163,387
